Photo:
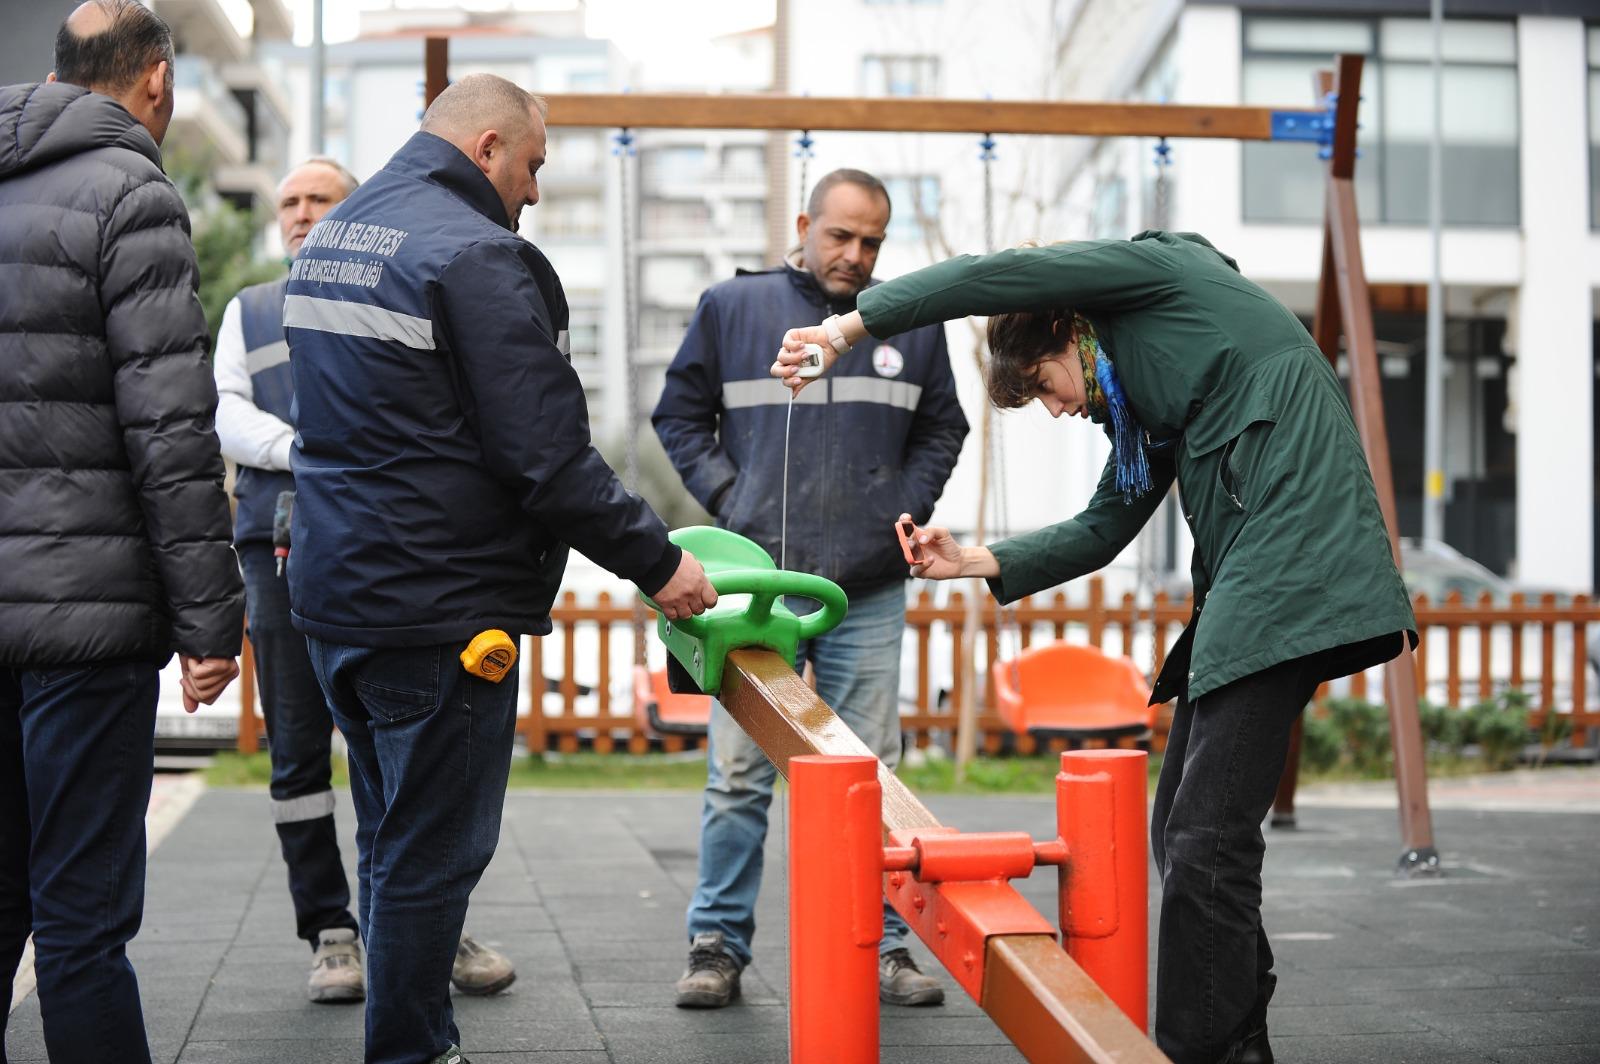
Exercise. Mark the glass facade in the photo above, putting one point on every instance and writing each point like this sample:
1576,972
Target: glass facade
899,75
1284,182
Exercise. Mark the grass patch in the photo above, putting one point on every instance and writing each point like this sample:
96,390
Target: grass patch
1031,774
229,769
687,772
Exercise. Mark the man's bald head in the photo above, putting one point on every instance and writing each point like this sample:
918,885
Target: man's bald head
500,127
480,102
107,45
120,49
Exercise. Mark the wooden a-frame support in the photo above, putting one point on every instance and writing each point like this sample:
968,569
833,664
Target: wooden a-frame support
1344,308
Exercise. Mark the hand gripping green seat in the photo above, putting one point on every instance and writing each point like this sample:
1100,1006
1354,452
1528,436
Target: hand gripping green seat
749,610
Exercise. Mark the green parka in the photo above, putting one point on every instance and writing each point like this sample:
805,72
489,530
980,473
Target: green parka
1291,557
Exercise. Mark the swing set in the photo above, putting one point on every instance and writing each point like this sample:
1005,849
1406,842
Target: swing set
1081,999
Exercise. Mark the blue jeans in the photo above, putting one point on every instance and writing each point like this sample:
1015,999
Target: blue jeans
430,750
858,674
300,737
76,748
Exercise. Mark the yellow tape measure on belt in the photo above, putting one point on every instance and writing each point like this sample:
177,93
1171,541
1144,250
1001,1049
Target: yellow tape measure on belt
490,655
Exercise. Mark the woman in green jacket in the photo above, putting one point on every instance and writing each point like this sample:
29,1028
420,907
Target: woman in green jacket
1199,376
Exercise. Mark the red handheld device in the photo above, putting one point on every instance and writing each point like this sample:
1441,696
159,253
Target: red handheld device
907,531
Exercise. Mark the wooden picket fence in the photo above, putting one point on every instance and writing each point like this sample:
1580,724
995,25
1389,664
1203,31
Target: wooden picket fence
1517,645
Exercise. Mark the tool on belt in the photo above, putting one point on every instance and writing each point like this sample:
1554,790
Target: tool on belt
490,655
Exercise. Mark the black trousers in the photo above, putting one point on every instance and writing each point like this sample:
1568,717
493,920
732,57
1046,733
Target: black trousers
300,737
1224,757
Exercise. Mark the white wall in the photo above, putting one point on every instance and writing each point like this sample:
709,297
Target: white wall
1555,357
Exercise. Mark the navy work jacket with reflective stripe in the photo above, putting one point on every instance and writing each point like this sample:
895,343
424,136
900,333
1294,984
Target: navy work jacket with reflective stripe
878,435
442,459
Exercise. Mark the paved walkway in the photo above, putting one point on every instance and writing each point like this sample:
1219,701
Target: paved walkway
1496,963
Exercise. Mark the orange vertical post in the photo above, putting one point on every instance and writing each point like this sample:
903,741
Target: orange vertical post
1100,809
835,908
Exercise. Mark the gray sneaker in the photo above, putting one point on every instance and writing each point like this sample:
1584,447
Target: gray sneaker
479,970
450,1056
901,982
712,978
336,968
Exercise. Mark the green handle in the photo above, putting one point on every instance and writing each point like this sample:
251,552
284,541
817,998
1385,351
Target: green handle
764,586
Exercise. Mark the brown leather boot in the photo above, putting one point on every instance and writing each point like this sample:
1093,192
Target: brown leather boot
712,978
901,982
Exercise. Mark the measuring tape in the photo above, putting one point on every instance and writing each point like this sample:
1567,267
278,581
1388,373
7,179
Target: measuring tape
810,366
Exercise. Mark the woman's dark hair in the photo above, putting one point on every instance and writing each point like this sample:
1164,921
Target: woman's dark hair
1017,344
134,40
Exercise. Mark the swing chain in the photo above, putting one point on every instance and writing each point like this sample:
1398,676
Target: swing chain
1163,163
803,152
625,150
1006,623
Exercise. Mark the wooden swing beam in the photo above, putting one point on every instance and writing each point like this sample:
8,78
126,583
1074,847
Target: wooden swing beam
850,113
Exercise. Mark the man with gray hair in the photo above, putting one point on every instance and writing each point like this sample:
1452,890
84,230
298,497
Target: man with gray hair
114,550
255,423
442,467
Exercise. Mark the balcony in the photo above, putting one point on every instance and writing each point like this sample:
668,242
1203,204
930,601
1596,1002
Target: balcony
208,122
274,20
217,29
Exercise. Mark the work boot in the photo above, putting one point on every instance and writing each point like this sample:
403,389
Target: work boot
336,968
712,978
450,1056
901,982
479,970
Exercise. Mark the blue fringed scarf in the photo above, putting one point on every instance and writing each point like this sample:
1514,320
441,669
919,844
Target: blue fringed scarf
1106,402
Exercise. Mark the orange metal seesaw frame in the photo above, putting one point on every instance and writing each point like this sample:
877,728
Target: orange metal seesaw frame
1084,1002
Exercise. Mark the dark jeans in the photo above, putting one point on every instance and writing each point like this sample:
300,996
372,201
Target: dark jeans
76,747
430,750
300,736
1224,757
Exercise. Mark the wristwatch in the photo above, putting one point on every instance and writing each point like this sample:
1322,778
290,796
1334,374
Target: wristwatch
830,325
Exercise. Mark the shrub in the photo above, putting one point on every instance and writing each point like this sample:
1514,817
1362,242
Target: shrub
1364,729
1500,728
1321,743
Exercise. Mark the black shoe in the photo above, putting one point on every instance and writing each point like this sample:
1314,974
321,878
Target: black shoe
712,978
1252,1049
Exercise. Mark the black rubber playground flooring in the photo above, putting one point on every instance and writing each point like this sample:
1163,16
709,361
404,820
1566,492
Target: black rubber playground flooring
1496,963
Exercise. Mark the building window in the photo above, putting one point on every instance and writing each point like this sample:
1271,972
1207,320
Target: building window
899,75
570,215
1284,182
678,164
675,219
663,326
747,219
1108,216
1594,128
744,164
674,279
914,206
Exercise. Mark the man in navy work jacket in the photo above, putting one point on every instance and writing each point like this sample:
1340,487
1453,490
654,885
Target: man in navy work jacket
878,438
442,465
255,401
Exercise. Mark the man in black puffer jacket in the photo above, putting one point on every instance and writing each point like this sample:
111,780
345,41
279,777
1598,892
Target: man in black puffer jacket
114,531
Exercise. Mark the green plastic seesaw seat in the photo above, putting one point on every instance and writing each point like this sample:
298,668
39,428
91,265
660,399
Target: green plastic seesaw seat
749,612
